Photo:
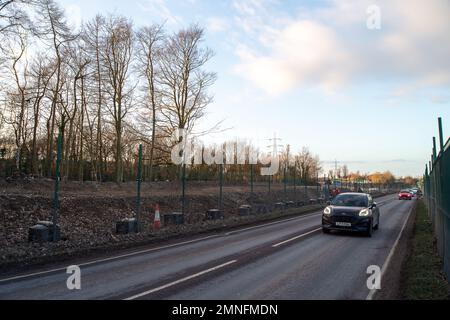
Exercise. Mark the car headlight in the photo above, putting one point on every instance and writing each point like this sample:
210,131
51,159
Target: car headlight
364,213
327,211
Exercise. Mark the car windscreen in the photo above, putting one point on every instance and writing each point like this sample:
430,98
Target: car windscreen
350,200
405,191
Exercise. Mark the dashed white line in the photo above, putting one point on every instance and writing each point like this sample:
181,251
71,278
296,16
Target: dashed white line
171,284
295,238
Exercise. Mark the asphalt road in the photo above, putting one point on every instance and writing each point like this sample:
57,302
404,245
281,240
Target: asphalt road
288,259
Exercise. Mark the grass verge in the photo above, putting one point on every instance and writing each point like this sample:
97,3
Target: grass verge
423,278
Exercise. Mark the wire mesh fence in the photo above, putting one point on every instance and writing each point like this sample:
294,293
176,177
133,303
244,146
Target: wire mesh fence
437,196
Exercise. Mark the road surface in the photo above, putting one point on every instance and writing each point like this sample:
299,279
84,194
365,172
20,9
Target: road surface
287,259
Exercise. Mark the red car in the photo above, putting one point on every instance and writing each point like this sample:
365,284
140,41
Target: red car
405,195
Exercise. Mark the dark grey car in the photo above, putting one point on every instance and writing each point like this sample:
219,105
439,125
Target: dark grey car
355,212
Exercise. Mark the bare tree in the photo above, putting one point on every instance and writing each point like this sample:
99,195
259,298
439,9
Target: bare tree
309,165
149,46
116,56
183,81
17,115
79,64
54,29
13,15
84,87
41,73
92,35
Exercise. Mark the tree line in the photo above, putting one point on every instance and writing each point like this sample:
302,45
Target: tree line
105,88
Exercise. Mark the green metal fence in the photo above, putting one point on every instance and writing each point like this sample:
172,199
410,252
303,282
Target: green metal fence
437,196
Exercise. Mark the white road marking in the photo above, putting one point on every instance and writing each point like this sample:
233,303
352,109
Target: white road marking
150,250
180,281
276,222
155,249
108,259
391,254
295,238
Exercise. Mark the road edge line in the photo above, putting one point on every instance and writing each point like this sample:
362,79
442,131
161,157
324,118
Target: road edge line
386,264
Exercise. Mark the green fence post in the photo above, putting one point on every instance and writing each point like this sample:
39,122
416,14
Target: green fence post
295,183
441,135
252,176
318,185
138,199
221,186
434,149
56,205
306,189
183,187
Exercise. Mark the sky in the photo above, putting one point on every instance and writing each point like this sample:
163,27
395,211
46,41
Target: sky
358,82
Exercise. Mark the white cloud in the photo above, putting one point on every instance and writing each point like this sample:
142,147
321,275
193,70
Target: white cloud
161,9
217,24
74,16
331,47
304,51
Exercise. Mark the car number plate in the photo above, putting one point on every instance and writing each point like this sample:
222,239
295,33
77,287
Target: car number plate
343,224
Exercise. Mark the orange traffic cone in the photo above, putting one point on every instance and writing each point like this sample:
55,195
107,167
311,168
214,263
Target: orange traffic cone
157,222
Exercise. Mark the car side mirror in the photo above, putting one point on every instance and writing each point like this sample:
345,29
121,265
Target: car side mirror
374,205
328,203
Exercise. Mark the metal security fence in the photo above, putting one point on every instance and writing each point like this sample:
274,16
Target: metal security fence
437,196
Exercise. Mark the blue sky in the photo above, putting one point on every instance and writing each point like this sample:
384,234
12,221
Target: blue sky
313,73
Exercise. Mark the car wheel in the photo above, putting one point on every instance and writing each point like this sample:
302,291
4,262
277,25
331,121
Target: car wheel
325,230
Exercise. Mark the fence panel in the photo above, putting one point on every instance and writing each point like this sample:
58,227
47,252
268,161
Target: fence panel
437,198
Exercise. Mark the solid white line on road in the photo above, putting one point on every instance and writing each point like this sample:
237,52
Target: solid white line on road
295,238
108,259
171,284
372,292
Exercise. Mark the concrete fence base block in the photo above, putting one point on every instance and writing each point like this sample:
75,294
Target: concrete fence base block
126,226
300,203
290,204
245,210
280,206
174,218
43,232
38,233
214,214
